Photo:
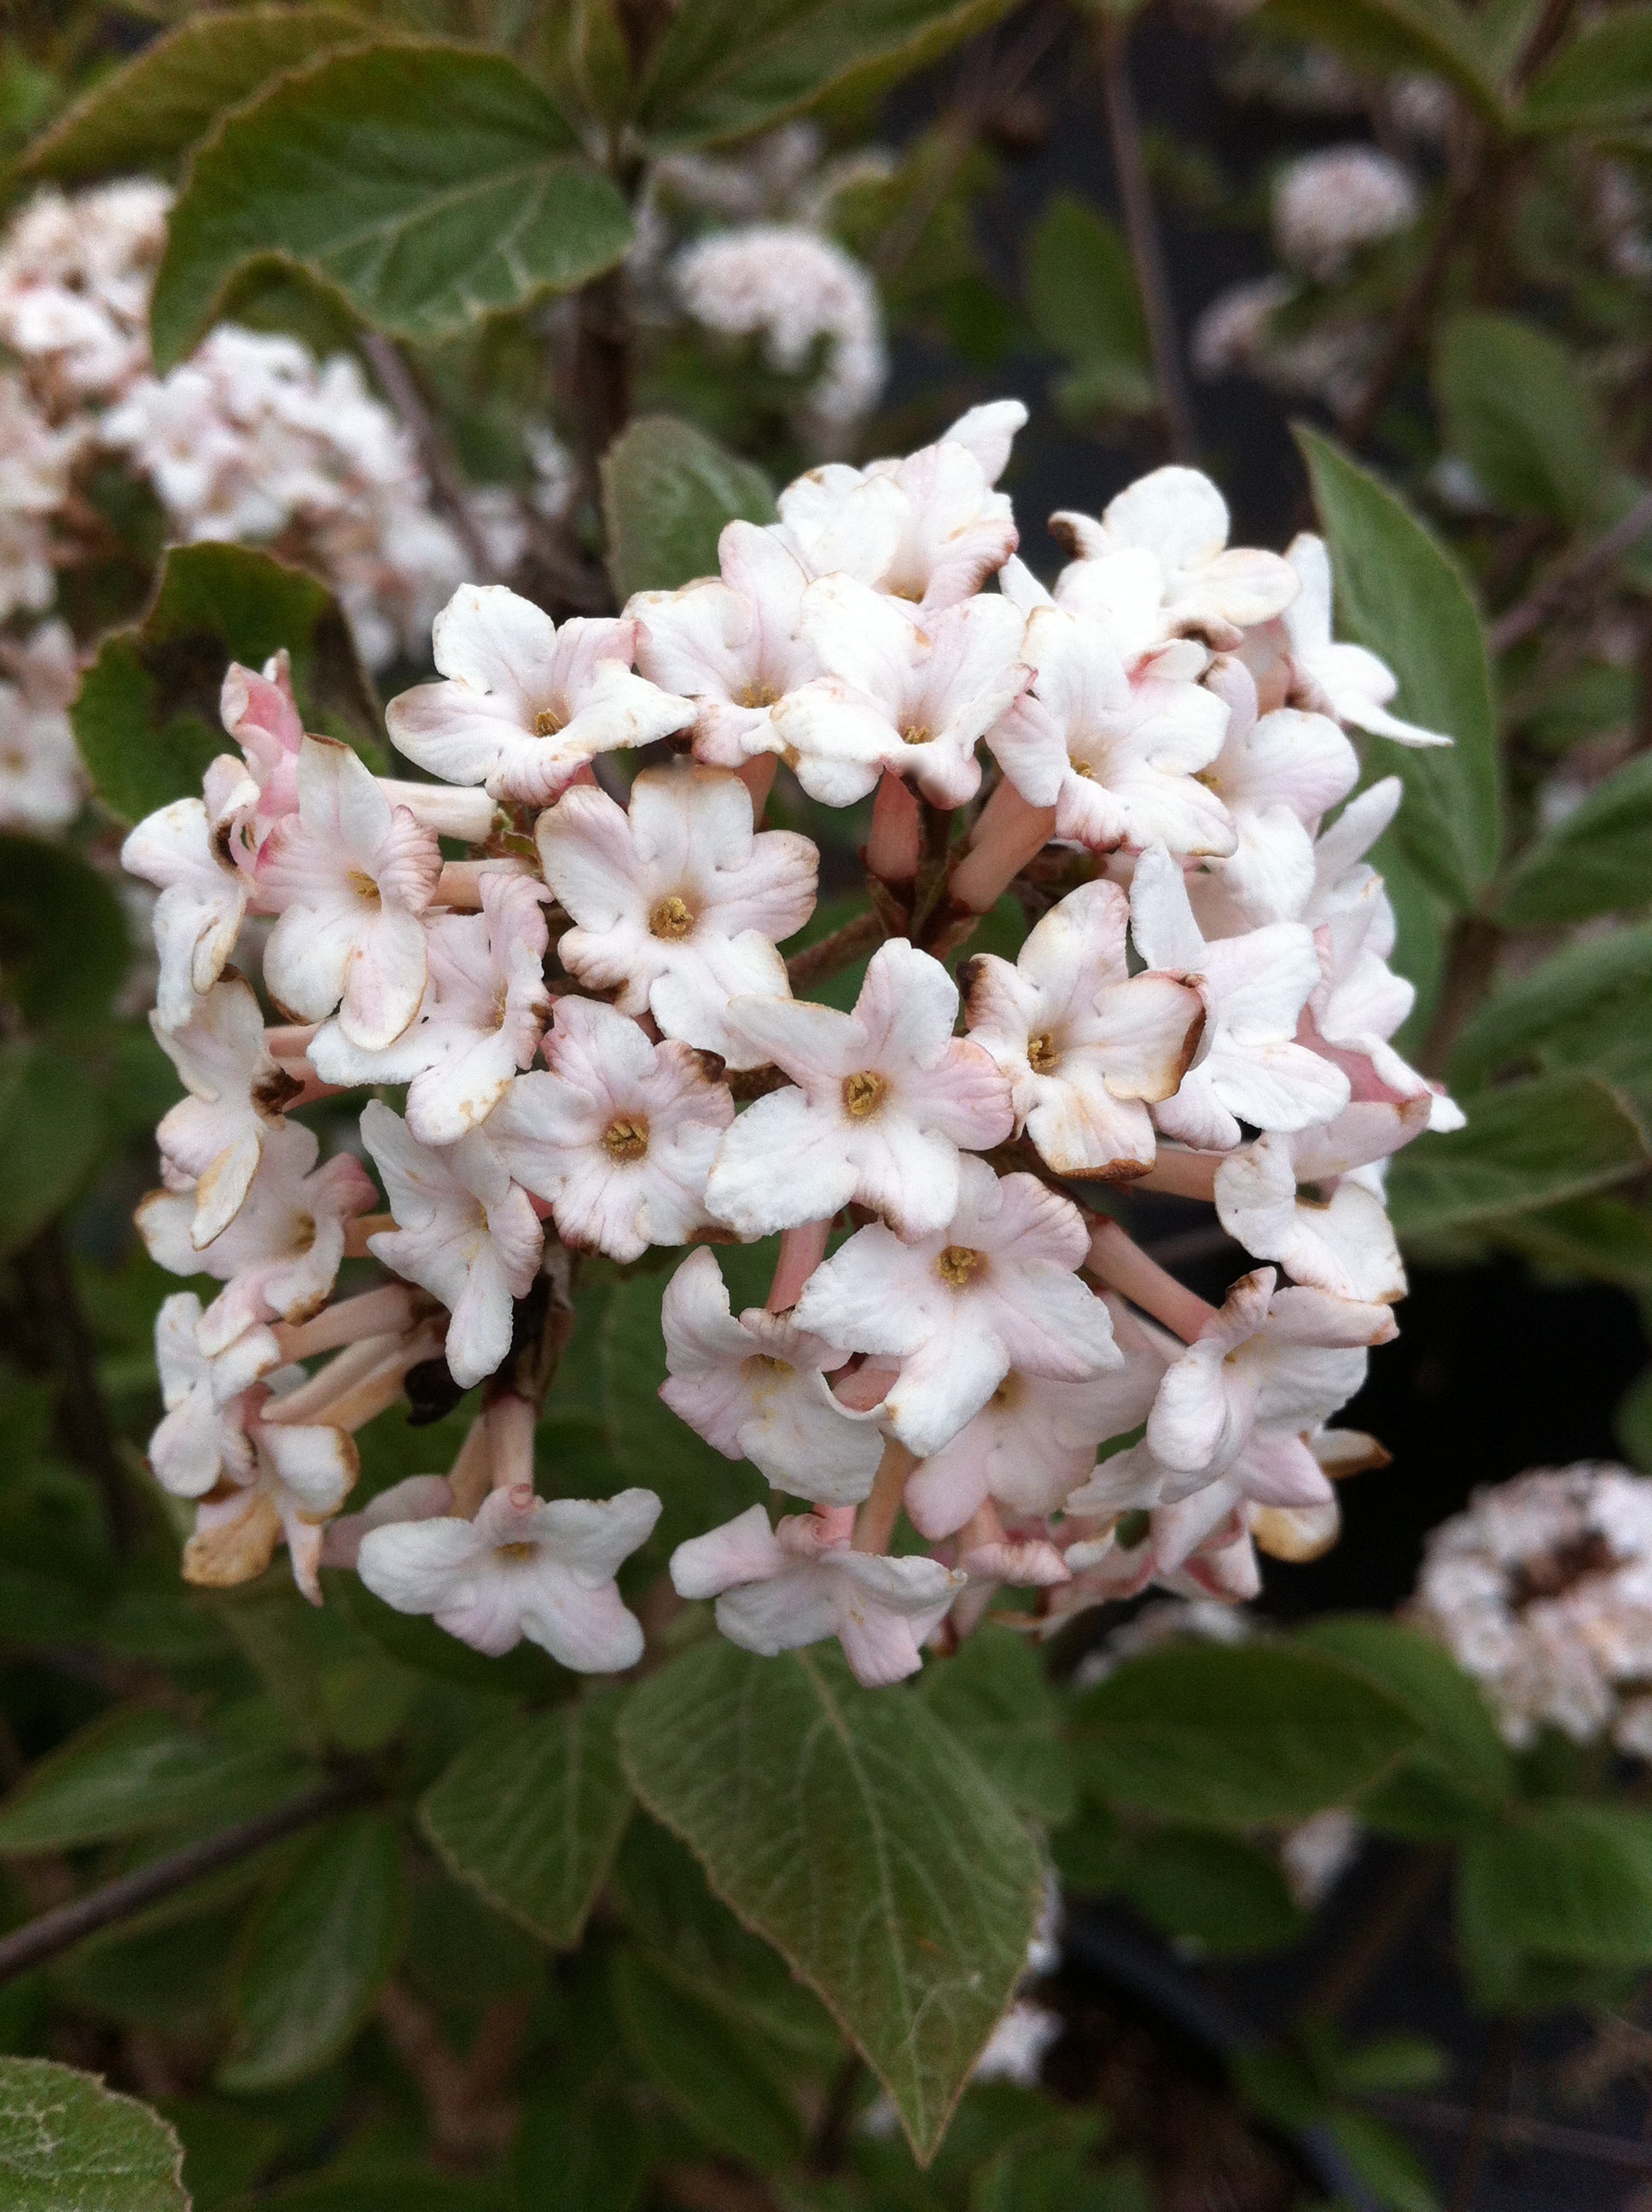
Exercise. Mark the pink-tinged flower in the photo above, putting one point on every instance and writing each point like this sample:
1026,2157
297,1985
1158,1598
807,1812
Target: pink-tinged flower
543,1568
524,705
619,1136
911,694
260,713
420,1498
1083,1041
779,1588
996,1289
755,1388
202,1440
882,1099
42,781
1342,875
214,1138
301,1476
927,528
677,906
1222,1565
729,643
203,902
1360,1002
463,1232
1034,1441
1253,987
279,1257
1277,774
1120,757
1344,680
1177,518
350,877
1334,1234
485,1007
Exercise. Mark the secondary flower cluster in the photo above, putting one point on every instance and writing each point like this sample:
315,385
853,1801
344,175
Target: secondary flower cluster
1202,1007
1542,1590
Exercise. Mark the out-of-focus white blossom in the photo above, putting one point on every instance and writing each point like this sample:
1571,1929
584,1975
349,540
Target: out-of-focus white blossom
1327,206
74,279
41,781
795,290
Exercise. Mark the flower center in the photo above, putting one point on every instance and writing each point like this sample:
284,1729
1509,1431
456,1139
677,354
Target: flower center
1042,1055
548,721
626,1137
863,1094
1552,1574
501,1005
916,733
757,693
363,886
957,1263
671,919
303,1233
515,1552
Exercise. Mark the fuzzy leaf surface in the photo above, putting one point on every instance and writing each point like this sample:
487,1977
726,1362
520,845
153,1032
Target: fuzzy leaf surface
66,2144
1592,862
1527,1144
667,489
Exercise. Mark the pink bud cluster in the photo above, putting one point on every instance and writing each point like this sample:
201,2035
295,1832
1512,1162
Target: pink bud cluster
602,1050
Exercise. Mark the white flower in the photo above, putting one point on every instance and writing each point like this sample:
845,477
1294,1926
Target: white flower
543,1568
1329,203
463,1232
927,528
279,1257
1360,1002
619,1136
260,713
485,1007
237,1090
75,277
41,781
755,1388
996,1289
1254,986
419,1498
1161,544
1083,1041
300,1478
1120,757
1277,774
202,901
525,704
202,1439
912,695
777,1589
350,877
1336,1237
677,904
731,643
1034,1441
792,288
884,1098
1344,680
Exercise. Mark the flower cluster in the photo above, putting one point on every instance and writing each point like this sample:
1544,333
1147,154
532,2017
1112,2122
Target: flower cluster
1542,1590
1203,1007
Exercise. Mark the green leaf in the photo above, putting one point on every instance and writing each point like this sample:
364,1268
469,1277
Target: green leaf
1600,78
1394,2064
993,1693
66,2144
1436,35
1517,410
712,2075
1443,1701
531,1813
1383,2161
726,68
584,2150
1592,862
1568,1880
132,1771
52,1125
140,116
1632,1422
318,1951
1579,1009
667,489
417,1641
1084,302
1527,1144
430,184
147,718
62,934
1265,1732
1603,1237
853,1831
1400,593
1218,1892
387,2187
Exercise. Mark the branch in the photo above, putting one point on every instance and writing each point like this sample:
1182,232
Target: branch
1569,577
864,934
1147,248
41,1939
